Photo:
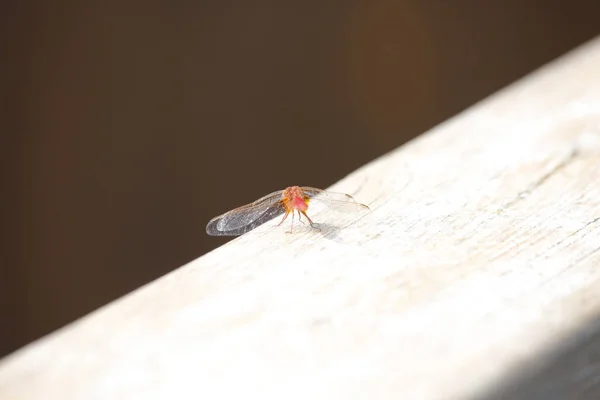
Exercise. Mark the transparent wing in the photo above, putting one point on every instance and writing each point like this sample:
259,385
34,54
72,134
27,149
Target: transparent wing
243,219
334,200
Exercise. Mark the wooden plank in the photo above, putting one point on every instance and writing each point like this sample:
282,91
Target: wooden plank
475,274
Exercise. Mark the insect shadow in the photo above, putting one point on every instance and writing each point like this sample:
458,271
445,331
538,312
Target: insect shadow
328,231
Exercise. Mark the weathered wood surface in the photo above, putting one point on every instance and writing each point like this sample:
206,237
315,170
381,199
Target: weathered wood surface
477,274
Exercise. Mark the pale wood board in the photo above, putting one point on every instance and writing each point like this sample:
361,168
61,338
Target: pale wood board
480,256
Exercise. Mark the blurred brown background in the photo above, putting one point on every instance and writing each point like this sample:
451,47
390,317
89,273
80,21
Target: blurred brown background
127,125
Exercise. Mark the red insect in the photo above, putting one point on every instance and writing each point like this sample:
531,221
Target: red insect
291,200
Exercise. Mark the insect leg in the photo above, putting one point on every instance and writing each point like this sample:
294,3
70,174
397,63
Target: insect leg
292,225
284,217
300,218
309,220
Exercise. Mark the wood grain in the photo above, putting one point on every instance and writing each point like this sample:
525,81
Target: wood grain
476,275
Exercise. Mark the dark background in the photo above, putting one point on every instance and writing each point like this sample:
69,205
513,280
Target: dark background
127,125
